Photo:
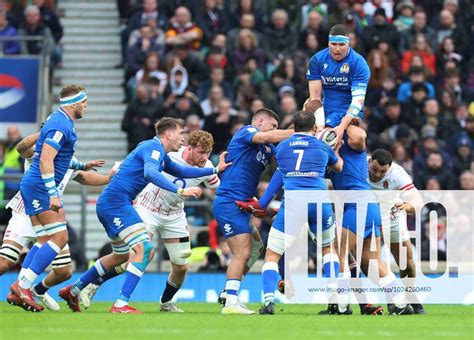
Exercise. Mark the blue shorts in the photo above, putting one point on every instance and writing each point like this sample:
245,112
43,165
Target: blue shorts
327,220
373,220
231,220
116,216
35,198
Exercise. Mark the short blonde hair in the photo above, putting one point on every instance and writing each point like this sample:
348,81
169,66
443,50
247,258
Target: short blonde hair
201,138
71,90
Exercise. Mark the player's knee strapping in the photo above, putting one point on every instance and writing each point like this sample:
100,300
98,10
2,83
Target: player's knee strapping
10,252
39,230
328,235
63,259
120,249
180,251
257,246
138,235
54,228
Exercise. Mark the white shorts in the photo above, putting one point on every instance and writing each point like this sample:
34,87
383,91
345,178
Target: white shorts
175,226
398,229
20,230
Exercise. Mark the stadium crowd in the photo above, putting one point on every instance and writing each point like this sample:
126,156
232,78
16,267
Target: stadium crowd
214,63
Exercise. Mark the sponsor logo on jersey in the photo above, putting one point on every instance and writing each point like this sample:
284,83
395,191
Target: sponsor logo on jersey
344,68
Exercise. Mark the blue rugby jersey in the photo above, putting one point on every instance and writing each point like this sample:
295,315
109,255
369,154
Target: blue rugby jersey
302,160
340,81
240,180
58,132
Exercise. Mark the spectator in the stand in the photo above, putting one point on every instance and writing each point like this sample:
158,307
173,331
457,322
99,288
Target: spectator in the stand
247,21
137,53
439,245
419,26
212,20
288,108
50,19
33,27
413,108
151,68
185,106
379,29
448,103
420,48
187,58
401,157
463,157
183,31
377,97
449,28
279,39
435,167
219,124
6,30
314,26
466,180
247,47
370,7
404,21
429,143
447,53
391,53
379,121
140,116
216,79
415,76
248,7
310,7
379,68
158,36
445,125
256,105
210,104
452,83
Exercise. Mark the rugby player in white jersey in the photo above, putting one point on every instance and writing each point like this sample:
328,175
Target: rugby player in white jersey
163,211
384,174
20,232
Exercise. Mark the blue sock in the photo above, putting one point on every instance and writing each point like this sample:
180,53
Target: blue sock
270,280
132,277
281,267
94,272
330,262
44,256
30,255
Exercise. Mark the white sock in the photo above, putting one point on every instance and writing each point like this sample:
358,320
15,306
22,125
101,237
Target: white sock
27,279
232,285
120,303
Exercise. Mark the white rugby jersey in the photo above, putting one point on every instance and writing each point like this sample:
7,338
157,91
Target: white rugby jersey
167,203
396,178
16,203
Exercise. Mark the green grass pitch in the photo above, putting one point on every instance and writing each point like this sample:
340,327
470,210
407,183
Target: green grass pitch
203,321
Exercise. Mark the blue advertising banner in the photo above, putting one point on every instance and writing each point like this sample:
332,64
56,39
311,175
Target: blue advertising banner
19,89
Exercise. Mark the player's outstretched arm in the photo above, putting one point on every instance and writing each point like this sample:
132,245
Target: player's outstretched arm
276,183
273,136
91,178
25,147
178,170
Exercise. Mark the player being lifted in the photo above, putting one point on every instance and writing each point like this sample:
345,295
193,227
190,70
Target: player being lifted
39,188
302,160
339,76
384,174
20,233
250,150
121,221
163,211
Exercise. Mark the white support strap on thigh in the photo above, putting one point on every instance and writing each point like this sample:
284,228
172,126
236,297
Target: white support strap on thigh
276,241
39,230
63,259
54,228
10,252
179,252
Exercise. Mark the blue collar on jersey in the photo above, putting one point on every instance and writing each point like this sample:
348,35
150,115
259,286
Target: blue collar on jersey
64,113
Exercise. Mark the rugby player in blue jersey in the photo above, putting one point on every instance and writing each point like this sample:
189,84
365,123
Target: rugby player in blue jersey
250,150
338,76
52,158
121,221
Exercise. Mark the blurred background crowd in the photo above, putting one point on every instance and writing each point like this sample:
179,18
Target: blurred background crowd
214,63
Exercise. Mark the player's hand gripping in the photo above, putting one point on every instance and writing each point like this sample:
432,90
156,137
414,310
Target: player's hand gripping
97,163
191,192
55,203
222,165
251,205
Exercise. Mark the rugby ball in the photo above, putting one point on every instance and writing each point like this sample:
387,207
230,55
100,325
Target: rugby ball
328,136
